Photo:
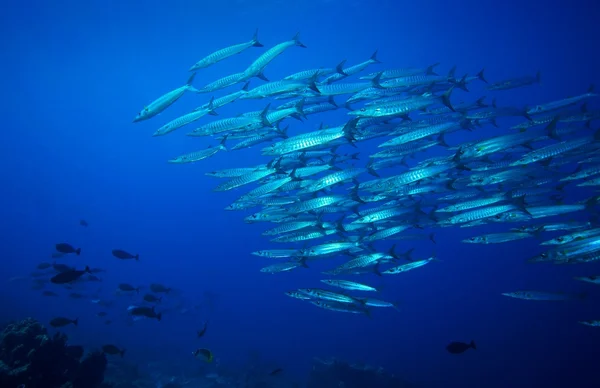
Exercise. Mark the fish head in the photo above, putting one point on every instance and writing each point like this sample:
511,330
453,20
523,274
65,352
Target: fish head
142,115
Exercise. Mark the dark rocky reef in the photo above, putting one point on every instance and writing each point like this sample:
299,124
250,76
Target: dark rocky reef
29,356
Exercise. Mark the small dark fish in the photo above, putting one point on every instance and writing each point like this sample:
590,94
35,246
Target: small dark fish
75,351
275,372
460,347
120,254
67,248
203,353
107,322
49,293
102,314
83,223
60,322
113,350
159,288
69,276
128,288
203,331
44,266
152,299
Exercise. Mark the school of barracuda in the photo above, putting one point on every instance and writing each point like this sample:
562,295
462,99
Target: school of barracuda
517,177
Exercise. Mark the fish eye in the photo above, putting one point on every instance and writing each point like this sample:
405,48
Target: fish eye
544,255
308,290
559,238
363,109
472,238
253,215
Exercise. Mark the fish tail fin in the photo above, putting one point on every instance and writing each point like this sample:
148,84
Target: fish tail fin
87,269
340,68
442,140
429,69
78,251
481,76
159,316
446,98
255,42
191,79
472,344
123,352
373,58
376,81
222,143
300,108
432,238
263,116
376,269
76,321
522,204
262,76
296,40
462,83
331,100
137,257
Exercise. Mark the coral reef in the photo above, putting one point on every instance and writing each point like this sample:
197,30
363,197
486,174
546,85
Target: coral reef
29,356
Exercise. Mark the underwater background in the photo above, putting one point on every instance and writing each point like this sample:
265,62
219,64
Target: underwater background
74,74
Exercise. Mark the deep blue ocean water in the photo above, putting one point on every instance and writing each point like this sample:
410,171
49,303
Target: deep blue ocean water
74,74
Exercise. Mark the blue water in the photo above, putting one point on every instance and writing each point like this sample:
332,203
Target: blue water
75,75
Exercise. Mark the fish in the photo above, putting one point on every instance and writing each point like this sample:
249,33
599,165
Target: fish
204,354
144,312
159,288
542,295
123,255
460,347
69,276
83,223
151,298
163,102
65,248
62,322
226,52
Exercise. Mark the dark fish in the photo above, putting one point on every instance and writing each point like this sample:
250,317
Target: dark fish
49,293
128,288
141,311
44,265
69,276
107,322
113,350
460,347
60,322
159,288
83,223
67,248
102,314
152,299
74,351
275,372
203,353
120,254
203,331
